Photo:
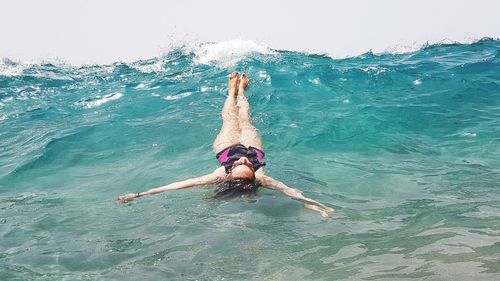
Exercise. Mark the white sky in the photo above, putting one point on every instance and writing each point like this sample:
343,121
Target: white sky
104,31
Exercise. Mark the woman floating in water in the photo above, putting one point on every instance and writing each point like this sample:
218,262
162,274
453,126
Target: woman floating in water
238,148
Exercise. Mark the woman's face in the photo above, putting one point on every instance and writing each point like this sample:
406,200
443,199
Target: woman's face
242,169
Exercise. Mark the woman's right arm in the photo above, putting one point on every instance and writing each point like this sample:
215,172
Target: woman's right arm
203,180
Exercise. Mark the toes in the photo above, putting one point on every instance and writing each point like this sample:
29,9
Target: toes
243,81
234,74
233,83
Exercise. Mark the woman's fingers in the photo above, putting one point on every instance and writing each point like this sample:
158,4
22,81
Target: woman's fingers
324,213
126,198
328,209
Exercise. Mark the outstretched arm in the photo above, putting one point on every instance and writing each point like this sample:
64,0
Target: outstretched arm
206,179
296,194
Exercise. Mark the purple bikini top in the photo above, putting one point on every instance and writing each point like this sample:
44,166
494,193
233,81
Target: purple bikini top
229,155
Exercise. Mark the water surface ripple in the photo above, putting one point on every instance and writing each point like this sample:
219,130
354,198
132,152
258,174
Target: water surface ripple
405,147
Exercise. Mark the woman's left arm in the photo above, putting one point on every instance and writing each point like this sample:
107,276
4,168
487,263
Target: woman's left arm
295,194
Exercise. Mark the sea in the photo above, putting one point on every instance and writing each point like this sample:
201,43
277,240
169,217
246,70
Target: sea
405,146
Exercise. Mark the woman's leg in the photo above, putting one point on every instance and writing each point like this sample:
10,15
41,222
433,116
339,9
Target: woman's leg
249,134
230,132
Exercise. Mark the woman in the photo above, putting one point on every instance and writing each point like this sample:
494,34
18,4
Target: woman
238,148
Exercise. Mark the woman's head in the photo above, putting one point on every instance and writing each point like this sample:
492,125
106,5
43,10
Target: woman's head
230,188
242,169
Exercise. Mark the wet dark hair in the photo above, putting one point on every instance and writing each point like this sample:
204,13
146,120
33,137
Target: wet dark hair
227,189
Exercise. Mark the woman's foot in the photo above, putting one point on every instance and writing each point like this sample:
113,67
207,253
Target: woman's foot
243,83
233,83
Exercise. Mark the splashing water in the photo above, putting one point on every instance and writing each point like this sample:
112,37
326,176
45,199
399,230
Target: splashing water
405,147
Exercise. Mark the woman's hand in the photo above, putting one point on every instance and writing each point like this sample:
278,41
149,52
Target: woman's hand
127,198
324,211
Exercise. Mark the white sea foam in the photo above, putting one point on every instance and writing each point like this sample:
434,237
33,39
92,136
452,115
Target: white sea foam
374,69
98,101
176,97
315,81
417,82
402,49
10,68
204,89
398,49
264,76
222,54
8,99
156,66
141,86
228,53
145,86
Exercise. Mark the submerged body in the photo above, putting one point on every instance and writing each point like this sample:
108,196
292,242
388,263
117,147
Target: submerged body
238,148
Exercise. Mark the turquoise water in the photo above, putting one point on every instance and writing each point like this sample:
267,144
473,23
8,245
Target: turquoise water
405,147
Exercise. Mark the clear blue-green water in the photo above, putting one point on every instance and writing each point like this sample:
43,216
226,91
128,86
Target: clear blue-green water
405,147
